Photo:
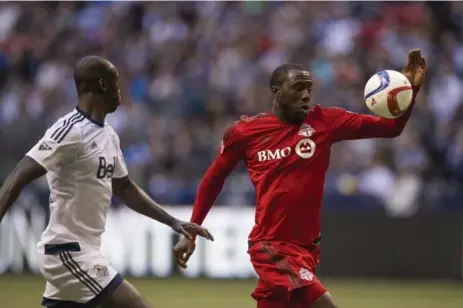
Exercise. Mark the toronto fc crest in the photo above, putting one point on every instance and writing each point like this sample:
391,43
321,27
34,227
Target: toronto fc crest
306,130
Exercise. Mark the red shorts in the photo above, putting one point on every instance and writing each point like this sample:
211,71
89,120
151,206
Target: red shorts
282,269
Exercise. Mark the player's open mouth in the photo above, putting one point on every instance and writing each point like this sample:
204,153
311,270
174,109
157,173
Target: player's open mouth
304,108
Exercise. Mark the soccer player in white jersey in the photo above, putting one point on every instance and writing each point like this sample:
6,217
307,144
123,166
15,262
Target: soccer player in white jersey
81,156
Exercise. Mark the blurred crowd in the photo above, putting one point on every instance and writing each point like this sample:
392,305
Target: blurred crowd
189,69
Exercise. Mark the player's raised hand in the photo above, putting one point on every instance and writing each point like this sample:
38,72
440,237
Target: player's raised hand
415,68
183,251
189,229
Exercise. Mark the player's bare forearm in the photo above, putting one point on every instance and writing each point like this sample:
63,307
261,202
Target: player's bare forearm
9,193
25,172
136,199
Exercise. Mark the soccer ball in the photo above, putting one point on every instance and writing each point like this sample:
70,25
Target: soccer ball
388,94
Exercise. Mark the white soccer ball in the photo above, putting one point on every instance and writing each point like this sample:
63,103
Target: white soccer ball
388,94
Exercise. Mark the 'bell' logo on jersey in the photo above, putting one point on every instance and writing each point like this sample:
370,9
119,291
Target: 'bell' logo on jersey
105,170
273,155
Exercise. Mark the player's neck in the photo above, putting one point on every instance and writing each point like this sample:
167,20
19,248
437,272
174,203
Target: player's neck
94,114
281,116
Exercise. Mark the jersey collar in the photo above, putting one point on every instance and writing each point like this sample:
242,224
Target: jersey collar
87,116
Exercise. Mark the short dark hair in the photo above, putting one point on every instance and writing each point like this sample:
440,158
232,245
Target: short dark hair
89,70
281,72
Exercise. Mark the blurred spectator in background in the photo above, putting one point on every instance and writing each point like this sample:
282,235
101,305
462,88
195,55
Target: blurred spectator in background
191,68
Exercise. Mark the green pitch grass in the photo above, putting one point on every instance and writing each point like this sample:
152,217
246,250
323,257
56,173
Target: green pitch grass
26,292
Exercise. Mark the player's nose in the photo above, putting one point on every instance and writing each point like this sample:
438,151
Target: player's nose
305,95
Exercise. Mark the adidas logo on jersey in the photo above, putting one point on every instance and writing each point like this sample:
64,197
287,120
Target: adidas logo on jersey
93,145
44,147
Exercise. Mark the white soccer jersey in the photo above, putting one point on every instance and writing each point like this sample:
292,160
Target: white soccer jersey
81,157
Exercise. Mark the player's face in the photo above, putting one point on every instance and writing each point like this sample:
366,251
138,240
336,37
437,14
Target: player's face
113,94
295,94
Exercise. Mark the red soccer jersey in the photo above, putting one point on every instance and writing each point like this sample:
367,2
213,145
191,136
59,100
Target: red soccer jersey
287,165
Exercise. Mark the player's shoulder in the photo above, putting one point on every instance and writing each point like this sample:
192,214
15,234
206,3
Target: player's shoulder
250,122
256,119
66,128
241,127
110,130
330,111
112,133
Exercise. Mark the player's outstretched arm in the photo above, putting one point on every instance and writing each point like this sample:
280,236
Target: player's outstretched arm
25,172
136,199
232,150
347,125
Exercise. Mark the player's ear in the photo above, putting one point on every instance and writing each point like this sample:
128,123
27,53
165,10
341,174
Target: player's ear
275,90
102,85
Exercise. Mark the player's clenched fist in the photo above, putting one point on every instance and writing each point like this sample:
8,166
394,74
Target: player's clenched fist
189,229
415,68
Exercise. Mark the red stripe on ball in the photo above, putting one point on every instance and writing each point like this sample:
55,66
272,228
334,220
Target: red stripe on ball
392,103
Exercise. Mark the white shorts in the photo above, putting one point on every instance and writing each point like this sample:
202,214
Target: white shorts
76,277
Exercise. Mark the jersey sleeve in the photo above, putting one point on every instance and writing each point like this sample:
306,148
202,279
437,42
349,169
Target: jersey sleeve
232,146
232,150
58,146
120,170
347,125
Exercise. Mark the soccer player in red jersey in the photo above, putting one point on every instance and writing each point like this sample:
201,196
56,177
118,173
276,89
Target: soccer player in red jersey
287,153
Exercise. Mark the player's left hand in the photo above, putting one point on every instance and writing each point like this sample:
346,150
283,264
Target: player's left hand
415,68
189,229
183,251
